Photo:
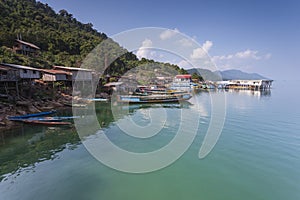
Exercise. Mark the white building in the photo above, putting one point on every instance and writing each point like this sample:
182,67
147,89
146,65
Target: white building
182,82
250,84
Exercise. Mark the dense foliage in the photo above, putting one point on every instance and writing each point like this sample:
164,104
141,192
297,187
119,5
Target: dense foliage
62,38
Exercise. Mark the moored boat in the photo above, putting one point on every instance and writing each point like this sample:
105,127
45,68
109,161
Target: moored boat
45,122
16,118
52,119
97,99
154,98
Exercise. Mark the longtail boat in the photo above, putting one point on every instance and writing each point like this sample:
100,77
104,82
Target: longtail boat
52,119
45,122
154,98
16,118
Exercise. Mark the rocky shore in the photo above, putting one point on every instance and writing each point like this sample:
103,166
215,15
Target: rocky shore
24,106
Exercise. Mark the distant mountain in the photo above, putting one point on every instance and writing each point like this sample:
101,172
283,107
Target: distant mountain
238,74
226,75
205,73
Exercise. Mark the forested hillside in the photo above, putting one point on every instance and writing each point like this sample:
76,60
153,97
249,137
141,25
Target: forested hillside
62,38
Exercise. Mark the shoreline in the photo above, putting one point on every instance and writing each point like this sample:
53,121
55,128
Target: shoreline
28,106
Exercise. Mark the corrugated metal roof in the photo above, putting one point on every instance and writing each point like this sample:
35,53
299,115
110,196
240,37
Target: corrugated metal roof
3,68
112,84
183,76
29,44
20,67
54,71
72,68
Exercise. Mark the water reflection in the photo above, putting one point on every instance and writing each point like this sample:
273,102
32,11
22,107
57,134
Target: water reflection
28,146
22,149
254,93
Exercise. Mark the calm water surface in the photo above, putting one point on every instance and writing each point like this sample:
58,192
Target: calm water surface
257,156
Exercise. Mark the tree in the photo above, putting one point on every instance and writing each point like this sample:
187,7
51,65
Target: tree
197,76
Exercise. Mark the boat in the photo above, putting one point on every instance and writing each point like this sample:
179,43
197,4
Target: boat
52,119
77,105
45,122
154,98
97,99
31,115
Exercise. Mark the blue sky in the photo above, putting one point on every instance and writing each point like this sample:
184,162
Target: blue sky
253,36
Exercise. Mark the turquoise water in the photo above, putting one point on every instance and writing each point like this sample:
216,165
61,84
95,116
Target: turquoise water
257,155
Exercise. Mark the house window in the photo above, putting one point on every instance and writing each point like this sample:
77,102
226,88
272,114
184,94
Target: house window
34,72
25,71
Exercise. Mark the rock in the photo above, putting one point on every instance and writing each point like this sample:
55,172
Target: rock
46,108
33,109
56,104
20,112
23,103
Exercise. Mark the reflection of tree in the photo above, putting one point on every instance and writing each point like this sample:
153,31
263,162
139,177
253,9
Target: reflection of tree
37,144
23,152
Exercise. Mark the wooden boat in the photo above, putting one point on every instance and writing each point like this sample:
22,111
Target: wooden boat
45,122
31,115
97,99
154,98
77,105
52,119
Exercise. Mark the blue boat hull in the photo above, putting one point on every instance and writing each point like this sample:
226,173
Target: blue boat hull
17,118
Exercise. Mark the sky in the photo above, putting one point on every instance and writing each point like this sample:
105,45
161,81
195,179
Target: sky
252,36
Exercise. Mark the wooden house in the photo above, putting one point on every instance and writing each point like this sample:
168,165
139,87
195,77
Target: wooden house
7,74
78,74
52,75
81,79
24,72
25,48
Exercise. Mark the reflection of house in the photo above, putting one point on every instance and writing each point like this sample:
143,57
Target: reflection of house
24,72
25,48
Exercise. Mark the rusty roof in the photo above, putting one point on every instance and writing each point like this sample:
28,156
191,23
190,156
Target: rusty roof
28,44
71,68
19,67
54,71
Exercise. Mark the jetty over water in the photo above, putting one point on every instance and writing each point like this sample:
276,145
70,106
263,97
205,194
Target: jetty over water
246,84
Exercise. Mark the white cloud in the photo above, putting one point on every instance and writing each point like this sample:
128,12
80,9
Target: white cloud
198,53
186,42
202,51
144,51
248,54
240,60
167,34
207,45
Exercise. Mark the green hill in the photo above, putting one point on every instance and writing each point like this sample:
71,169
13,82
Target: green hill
62,38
